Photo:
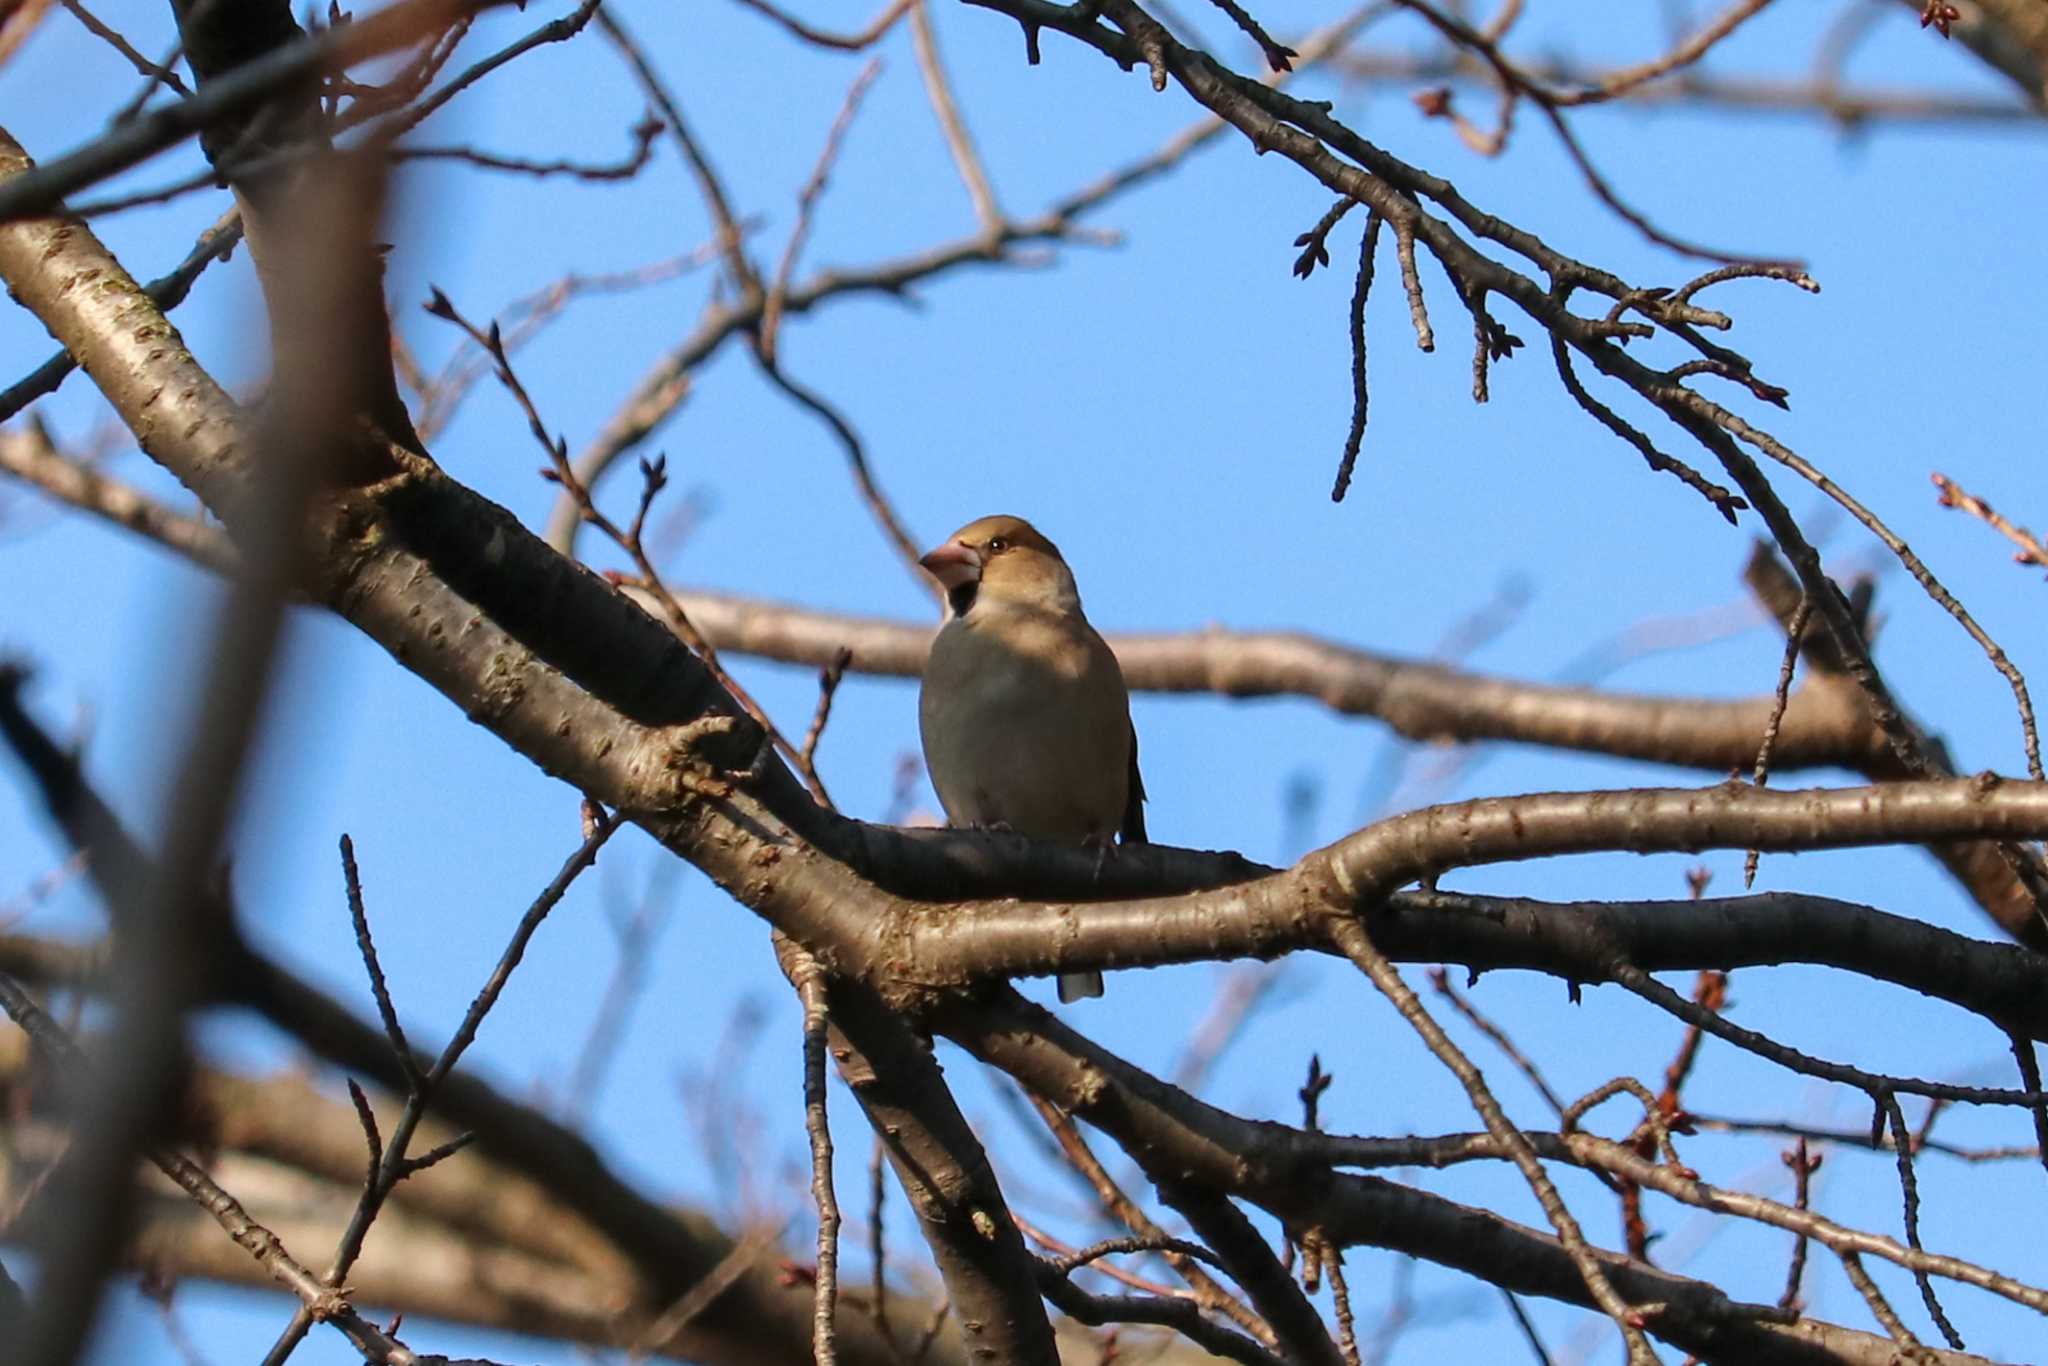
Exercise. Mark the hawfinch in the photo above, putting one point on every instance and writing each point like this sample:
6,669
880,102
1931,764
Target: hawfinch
1025,721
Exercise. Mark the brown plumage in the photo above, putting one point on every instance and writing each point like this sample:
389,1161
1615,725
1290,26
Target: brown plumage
1025,721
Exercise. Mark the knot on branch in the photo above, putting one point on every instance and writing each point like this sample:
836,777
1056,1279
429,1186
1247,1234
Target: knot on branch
707,757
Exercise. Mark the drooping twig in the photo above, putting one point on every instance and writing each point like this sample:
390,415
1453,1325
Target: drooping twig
810,985
1749,1040
1723,500
1909,1189
2030,1078
1340,1299
1411,281
1360,396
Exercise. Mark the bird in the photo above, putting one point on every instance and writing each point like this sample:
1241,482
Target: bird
1023,713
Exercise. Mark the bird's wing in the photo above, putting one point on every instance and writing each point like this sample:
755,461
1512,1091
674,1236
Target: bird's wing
1133,829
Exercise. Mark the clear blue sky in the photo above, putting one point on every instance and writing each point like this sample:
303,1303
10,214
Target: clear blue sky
1171,411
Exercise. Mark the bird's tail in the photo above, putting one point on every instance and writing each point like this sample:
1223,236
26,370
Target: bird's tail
1074,986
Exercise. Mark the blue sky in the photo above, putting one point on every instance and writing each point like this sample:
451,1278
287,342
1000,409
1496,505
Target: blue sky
1171,411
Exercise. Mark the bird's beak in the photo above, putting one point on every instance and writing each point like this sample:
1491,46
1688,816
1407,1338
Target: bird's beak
954,565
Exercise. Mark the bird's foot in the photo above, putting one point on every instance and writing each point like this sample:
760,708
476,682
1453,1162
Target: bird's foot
1105,850
993,827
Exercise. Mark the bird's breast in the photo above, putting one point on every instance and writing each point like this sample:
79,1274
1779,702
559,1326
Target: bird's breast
1027,729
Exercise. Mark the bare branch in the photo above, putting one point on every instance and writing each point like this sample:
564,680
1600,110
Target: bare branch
851,42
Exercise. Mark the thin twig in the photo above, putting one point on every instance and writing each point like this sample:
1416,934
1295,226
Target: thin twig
1411,281
1880,1307
395,1164
1953,495
1521,1317
828,687
709,186
168,291
1354,437
1909,1189
1440,982
879,506
654,478
158,74
1208,1292
380,991
554,31
1351,939
1278,57
1795,635
878,1251
1683,55
810,984
806,206
744,1254
847,42
644,134
1803,1167
1340,1299
959,141
315,1296
1805,469
2030,1078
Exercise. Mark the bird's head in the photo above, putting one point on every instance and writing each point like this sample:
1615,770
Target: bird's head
1003,560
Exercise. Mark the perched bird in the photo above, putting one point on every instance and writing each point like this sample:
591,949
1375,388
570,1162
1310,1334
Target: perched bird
1025,721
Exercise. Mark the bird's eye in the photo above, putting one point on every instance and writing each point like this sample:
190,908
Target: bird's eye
997,545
